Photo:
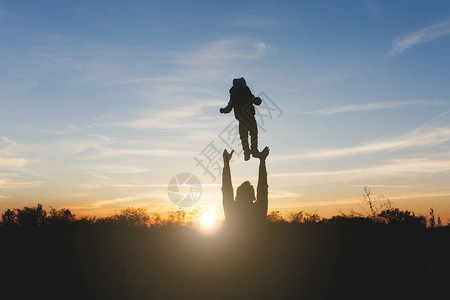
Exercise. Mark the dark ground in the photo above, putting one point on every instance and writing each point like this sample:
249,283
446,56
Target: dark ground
340,259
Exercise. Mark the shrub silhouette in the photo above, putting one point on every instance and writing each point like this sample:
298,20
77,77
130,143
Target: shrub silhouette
9,218
31,216
311,218
61,216
301,217
296,217
374,204
134,217
274,217
395,216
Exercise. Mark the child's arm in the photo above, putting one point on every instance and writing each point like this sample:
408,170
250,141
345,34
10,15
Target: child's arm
257,100
227,108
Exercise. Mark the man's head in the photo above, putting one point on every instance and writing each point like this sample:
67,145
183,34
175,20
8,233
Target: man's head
245,193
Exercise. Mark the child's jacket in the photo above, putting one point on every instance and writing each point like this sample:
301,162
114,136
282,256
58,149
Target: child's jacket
241,100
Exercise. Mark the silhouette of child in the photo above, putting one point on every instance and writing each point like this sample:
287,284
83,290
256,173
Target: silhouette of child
242,101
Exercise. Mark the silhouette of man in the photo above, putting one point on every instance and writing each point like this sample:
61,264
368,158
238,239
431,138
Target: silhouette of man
244,210
242,101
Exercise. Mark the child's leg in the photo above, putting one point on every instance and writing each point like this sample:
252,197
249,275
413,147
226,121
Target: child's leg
254,136
243,133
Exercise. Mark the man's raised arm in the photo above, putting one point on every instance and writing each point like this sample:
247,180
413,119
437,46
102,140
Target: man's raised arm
227,186
262,189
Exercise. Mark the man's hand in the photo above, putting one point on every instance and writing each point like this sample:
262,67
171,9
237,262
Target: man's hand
263,154
227,156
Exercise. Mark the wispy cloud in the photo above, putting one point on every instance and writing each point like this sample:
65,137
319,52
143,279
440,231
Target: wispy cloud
13,162
9,174
9,147
416,138
376,106
7,184
383,186
70,128
160,79
277,194
66,61
9,152
90,142
117,169
108,152
179,117
121,200
289,206
420,195
101,147
140,199
88,63
398,167
433,132
424,35
225,50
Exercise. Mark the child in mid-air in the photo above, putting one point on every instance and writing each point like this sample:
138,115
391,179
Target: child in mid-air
242,101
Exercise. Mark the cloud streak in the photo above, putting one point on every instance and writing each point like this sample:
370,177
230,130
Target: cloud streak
398,167
9,152
6,184
13,162
424,35
224,51
431,133
416,138
180,117
375,106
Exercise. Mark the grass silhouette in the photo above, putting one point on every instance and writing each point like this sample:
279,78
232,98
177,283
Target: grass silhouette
130,255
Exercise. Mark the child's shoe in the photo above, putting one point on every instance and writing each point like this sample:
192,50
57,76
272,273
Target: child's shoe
247,154
255,152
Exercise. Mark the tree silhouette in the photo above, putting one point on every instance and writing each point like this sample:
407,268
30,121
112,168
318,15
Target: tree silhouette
9,218
31,216
274,217
134,217
395,216
61,216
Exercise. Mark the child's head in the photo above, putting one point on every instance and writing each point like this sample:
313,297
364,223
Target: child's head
239,83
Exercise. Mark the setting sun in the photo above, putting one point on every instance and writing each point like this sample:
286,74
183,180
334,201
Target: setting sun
208,222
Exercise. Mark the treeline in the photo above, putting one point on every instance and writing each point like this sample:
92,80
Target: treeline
375,209
131,217
386,253
139,217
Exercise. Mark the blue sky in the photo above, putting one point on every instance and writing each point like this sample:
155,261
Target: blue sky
103,103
